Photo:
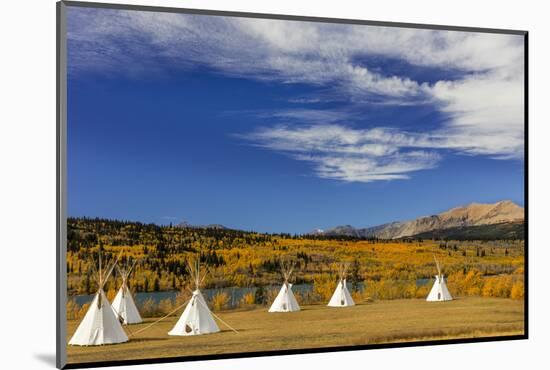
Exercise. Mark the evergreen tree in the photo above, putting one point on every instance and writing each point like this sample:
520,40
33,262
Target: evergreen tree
87,285
260,296
145,285
354,274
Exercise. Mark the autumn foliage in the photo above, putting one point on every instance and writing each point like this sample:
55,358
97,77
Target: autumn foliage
379,269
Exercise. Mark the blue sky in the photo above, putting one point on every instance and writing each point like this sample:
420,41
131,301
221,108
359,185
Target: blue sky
281,126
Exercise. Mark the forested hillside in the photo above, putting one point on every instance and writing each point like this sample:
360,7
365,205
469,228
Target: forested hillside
162,252
503,231
248,259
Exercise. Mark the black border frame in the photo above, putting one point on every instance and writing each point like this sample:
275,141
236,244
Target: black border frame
61,185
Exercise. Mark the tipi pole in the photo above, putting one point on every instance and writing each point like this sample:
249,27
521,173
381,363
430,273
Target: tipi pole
100,277
217,317
129,331
202,279
110,269
162,318
131,268
438,267
127,326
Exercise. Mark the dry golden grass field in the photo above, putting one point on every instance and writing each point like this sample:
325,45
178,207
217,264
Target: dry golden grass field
319,326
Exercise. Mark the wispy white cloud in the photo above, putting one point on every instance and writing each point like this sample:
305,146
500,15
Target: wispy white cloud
286,51
367,169
485,115
351,155
364,155
307,115
483,106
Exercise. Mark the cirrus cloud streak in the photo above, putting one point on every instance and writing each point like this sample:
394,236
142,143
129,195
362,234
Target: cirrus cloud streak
351,155
482,104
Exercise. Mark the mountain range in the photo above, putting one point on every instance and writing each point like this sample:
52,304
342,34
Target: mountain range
473,216
187,225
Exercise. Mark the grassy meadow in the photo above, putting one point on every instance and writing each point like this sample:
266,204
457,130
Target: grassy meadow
384,321
485,276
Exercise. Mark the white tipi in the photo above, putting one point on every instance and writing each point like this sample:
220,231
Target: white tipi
439,290
100,324
341,296
197,318
285,300
123,304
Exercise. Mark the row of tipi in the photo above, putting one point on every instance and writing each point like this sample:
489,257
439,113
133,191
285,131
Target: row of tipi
286,302
103,322
101,325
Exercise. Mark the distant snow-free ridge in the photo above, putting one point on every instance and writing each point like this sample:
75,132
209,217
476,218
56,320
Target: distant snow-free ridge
475,214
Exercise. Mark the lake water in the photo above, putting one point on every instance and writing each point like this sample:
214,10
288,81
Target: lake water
235,293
